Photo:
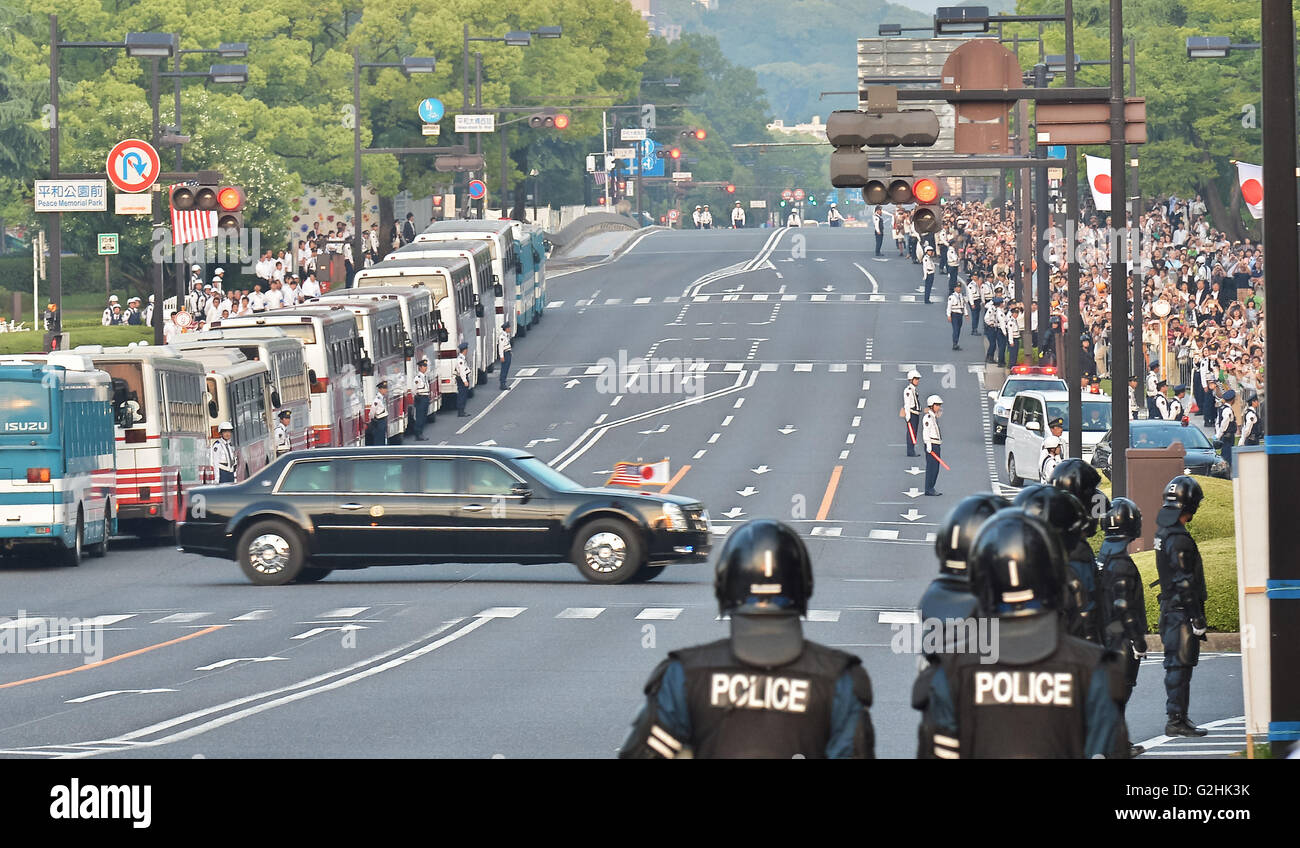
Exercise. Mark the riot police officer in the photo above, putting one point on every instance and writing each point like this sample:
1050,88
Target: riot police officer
1121,605
1063,513
765,691
1182,599
948,596
1046,694
1080,479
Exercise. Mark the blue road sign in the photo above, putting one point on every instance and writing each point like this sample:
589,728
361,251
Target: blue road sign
833,197
1056,151
431,110
650,165
477,189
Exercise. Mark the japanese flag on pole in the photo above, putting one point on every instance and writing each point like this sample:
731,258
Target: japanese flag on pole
1251,179
1099,181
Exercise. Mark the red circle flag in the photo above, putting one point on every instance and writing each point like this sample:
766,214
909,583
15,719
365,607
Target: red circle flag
1252,192
1101,183
647,472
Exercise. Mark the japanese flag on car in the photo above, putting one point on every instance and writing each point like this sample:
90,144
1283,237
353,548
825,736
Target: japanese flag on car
1099,181
1251,179
639,474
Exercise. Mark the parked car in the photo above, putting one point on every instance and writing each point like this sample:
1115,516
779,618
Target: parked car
1022,378
1027,427
309,513
1200,459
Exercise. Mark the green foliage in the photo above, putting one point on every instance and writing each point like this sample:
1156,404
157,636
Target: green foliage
31,342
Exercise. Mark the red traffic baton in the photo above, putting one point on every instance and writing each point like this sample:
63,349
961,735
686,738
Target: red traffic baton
911,432
940,461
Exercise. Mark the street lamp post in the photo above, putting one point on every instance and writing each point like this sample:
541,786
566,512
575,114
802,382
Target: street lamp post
1119,291
409,65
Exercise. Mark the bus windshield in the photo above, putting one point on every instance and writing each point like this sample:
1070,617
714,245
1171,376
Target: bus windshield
24,408
436,283
299,331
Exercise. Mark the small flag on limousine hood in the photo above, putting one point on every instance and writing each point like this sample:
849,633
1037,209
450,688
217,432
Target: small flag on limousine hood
639,474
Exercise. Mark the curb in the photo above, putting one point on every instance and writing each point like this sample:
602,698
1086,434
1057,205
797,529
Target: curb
1221,642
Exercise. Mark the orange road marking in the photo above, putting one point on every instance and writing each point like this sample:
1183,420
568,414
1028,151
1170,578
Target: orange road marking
668,487
214,628
825,508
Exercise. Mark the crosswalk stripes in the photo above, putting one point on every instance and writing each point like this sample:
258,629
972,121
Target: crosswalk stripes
700,366
1226,738
742,297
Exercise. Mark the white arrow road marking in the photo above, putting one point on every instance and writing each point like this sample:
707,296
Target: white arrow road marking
489,443
112,692
318,630
912,515
762,469
914,471
827,288
787,429
540,442
224,663
254,615
64,637
663,428
734,512
571,383
819,259
875,286
913,492
747,491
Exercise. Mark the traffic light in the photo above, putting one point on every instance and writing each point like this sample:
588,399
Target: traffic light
849,131
812,200
549,119
697,134
902,191
928,216
729,188
212,196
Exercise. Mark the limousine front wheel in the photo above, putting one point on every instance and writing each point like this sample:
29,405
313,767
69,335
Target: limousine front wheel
608,551
271,553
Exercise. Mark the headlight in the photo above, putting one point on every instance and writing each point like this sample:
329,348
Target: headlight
1219,466
675,519
708,525
999,410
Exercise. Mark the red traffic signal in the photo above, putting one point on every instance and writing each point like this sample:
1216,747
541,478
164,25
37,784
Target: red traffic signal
675,153
548,120
700,135
731,188
437,200
925,190
697,134
226,200
561,122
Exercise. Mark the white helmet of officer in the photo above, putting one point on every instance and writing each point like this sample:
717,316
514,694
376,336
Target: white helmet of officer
934,400
225,427
913,374
1051,443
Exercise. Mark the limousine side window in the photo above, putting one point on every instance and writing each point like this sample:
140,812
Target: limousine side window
309,478
487,478
374,476
438,476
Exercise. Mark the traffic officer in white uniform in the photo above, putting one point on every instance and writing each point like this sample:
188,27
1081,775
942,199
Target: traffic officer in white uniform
933,439
911,410
927,271
377,432
956,313
1049,458
223,454
738,216
1250,429
283,444
1225,430
423,396
503,342
1161,402
462,381
1175,408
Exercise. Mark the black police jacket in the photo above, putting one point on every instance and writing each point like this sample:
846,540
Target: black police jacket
1122,602
1181,573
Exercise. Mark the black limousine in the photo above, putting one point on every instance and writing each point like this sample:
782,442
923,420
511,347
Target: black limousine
311,512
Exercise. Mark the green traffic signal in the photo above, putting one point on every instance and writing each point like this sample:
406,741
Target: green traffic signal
783,203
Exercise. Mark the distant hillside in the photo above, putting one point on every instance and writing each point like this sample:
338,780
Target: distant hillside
798,48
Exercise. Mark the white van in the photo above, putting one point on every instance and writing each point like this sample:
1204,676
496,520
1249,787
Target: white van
1027,427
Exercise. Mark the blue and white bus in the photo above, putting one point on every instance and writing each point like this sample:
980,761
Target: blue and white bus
530,247
57,466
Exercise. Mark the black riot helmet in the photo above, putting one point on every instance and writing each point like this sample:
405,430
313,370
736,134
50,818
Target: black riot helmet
1059,509
1183,495
1081,480
952,543
763,568
1017,566
1123,520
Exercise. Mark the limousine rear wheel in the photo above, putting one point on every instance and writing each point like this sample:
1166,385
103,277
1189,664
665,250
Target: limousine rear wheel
608,550
271,553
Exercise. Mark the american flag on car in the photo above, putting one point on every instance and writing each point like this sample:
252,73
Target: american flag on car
639,474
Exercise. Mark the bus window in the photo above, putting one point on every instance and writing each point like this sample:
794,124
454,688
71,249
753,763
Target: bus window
24,408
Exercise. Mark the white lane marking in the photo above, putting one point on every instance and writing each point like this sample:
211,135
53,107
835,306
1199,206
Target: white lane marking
875,286
555,304
561,371
871,366
254,615
581,612
838,367
486,410
714,438
616,400
500,612
223,663
102,621
699,453
768,366
344,612
824,615
818,297
63,637
641,300
602,418
613,301
739,403
827,531
850,439
727,421
593,370
316,631
803,366
659,614
181,618
673,299
844,454
857,421
789,297
862,403
734,366
882,534
891,617
112,692
866,385
758,297
1162,740
525,372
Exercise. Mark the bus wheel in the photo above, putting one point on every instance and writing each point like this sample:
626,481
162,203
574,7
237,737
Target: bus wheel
100,548
72,554
270,553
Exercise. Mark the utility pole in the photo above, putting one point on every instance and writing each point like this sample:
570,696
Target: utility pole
1119,304
1074,317
1043,285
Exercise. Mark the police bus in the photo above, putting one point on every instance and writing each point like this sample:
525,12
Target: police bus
383,356
161,433
331,352
56,434
239,391
450,282
284,360
531,248
486,292
500,239
423,335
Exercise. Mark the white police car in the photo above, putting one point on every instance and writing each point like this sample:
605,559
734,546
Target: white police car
1022,378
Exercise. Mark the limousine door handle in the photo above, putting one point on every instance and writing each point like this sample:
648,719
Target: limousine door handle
473,508
353,506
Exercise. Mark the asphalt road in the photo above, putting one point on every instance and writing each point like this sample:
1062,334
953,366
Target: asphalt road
795,342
